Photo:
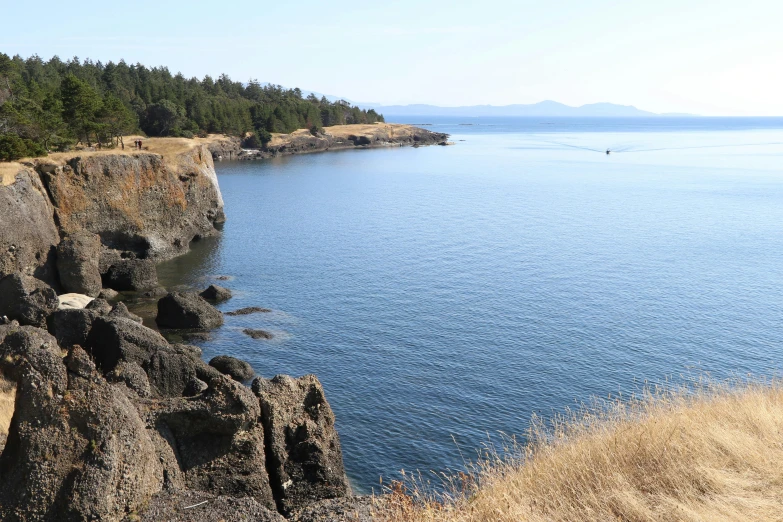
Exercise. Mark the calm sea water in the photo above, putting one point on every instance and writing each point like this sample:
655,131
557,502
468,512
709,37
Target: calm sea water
445,294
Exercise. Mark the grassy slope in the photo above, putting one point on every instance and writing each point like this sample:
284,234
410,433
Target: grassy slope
713,455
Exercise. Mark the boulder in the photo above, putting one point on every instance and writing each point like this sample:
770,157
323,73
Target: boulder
120,310
77,263
216,293
72,326
73,438
305,461
235,368
99,305
116,339
218,439
28,234
26,299
187,311
132,275
131,375
108,294
73,301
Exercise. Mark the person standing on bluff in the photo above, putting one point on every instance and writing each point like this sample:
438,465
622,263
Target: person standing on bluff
139,144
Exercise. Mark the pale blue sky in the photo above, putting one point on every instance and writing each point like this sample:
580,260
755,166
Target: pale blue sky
713,58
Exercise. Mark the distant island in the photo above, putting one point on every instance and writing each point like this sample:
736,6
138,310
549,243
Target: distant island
546,108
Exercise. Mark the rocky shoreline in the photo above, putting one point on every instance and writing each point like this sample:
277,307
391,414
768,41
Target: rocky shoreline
343,137
110,421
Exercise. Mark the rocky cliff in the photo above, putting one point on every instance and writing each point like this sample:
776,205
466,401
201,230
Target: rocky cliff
141,205
339,137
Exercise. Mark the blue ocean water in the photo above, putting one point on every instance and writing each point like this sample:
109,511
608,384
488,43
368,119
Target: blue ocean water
444,294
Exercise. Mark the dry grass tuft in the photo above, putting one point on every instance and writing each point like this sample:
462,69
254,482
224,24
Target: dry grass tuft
711,453
7,399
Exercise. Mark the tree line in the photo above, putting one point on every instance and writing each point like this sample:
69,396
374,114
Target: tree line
54,105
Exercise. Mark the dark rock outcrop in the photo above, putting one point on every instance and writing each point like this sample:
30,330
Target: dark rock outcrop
305,460
187,311
27,299
72,326
235,368
121,310
216,293
99,305
28,234
132,274
73,438
77,263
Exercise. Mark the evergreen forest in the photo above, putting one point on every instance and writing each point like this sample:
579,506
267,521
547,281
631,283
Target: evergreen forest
54,105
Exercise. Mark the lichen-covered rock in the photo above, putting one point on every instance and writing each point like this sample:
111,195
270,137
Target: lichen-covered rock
28,234
187,311
237,369
73,438
77,263
216,293
139,203
27,299
132,274
305,460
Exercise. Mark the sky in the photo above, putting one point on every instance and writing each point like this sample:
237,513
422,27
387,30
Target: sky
704,57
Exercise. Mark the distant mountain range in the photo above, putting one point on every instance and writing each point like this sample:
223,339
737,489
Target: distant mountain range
542,109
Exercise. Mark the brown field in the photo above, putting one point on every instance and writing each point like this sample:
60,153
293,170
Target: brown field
714,454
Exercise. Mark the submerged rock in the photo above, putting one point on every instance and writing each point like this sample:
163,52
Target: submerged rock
235,368
305,460
27,299
257,334
185,311
249,310
216,293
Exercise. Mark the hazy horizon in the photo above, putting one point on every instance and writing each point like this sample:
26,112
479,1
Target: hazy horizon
669,57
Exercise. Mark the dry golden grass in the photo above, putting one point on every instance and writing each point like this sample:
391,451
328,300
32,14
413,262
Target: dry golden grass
710,454
8,172
388,130
7,398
